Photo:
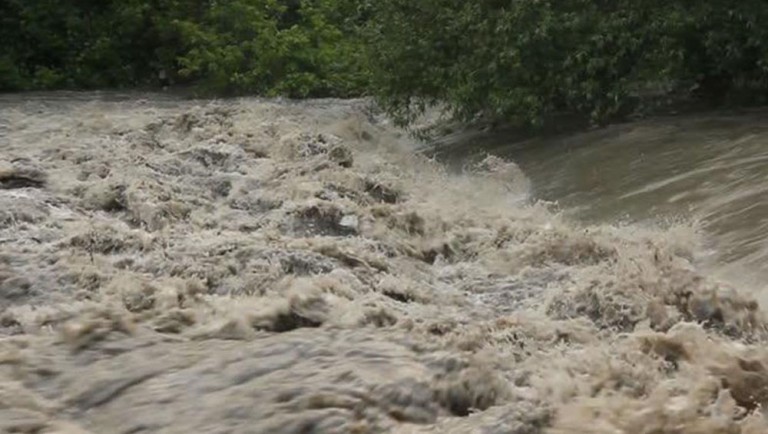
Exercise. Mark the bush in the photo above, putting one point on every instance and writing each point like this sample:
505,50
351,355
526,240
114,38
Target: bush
275,48
268,47
521,61
526,60
76,44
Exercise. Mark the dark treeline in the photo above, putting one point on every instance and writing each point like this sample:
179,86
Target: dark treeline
267,47
514,60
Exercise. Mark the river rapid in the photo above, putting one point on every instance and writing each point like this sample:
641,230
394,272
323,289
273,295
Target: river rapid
261,266
709,171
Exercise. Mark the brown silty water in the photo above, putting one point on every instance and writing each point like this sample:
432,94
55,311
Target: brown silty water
709,170
250,266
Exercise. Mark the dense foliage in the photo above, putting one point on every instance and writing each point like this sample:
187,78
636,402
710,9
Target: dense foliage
295,48
515,60
525,60
291,47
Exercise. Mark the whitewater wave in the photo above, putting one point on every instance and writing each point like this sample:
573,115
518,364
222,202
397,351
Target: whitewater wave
262,266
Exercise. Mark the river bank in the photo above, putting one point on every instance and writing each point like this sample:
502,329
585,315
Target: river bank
256,266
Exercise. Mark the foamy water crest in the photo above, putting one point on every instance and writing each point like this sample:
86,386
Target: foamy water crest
254,266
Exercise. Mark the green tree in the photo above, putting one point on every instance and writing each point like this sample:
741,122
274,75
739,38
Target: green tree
270,47
267,47
525,60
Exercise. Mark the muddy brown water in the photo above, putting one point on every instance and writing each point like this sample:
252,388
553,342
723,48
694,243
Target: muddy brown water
263,266
710,170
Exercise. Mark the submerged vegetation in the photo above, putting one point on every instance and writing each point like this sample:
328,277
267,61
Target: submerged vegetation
519,61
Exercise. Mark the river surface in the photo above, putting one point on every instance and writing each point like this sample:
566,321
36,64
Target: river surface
260,266
708,170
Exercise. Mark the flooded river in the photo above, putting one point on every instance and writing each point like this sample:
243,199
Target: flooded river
261,266
710,171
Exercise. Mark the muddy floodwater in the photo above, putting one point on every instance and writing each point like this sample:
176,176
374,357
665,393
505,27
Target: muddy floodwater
709,170
254,266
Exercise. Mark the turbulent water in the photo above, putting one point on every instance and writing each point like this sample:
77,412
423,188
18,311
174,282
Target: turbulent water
250,266
709,170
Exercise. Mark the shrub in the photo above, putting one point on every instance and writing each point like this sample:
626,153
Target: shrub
525,60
